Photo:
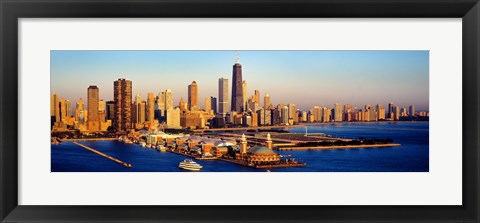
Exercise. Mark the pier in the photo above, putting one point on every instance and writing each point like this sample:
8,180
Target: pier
239,162
128,165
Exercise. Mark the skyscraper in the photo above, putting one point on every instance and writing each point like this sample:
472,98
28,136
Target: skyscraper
338,112
122,96
213,101
150,107
141,107
161,105
182,105
173,118
411,110
93,101
397,113
136,111
193,96
244,93
208,104
390,111
63,110
222,95
292,110
101,110
266,101
68,104
110,110
237,87
168,99
284,115
256,96
380,112
79,111
55,107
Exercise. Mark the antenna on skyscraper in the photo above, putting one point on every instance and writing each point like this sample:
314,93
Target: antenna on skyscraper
237,57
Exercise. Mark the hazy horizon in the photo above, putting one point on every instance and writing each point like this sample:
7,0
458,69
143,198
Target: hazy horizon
304,78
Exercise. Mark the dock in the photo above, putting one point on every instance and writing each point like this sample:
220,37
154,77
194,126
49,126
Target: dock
239,162
128,165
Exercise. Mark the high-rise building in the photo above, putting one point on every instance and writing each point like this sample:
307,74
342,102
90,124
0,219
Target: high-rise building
261,116
304,116
222,95
284,115
101,110
326,114
396,113
68,105
122,96
150,107
208,104
347,112
93,122
93,102
110,110
266,101
292,110
237,87
135,110
161,105
53,105
380,112
391,114
168,99
173,118
337,112
268,117
317,113
141,112
193,96
256,96
213,101
182,105
79,117
411,110
244,94
63,110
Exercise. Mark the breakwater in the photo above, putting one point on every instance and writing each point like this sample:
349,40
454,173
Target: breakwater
128,165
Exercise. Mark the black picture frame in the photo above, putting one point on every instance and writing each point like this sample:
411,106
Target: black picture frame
11,11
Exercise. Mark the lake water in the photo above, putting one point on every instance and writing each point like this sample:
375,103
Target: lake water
411,156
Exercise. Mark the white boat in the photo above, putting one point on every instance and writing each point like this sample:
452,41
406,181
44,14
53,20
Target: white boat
189,164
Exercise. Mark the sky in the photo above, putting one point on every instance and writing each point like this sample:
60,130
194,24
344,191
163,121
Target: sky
304,78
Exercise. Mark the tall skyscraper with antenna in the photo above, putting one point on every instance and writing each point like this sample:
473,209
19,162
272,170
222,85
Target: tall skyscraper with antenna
237,88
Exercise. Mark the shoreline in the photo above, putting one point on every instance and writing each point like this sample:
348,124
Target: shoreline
338,147
293,126
89,139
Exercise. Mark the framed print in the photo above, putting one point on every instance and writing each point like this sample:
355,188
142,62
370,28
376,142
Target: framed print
239,111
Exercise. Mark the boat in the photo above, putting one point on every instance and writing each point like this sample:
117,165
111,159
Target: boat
189,164
161,148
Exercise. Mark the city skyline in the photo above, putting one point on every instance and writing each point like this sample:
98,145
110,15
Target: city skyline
407,83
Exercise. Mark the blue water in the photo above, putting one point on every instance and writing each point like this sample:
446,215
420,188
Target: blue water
411,156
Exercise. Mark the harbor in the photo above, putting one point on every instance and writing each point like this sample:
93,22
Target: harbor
207,149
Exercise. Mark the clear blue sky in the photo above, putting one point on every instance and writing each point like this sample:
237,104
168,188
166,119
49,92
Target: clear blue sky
305,78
